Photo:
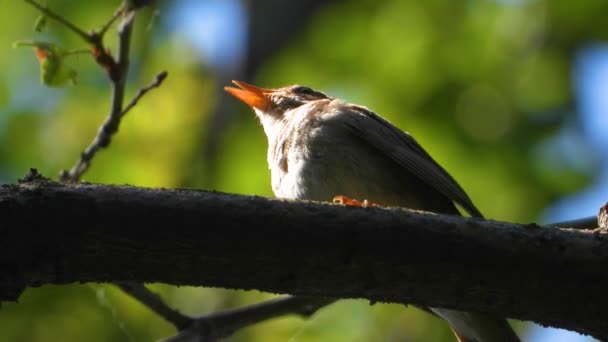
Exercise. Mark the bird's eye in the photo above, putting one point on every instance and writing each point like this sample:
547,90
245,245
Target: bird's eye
303,90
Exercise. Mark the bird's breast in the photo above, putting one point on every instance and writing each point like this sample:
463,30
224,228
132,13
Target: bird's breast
324,160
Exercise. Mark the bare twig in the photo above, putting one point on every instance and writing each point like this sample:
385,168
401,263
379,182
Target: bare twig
155,303
117,71
108,129
225,323
158,80
118,81
77,52
94,37
49,13
107,25
110,125
222,324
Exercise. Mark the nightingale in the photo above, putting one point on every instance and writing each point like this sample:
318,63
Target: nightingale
320,147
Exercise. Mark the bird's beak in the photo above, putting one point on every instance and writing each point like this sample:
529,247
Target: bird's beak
251,95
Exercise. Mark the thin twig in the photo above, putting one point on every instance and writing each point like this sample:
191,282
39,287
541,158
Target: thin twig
110,125
107,130
117,71
158,80
225,323
77,52
155,303
222,324
94,37
107,25
122,61
49,13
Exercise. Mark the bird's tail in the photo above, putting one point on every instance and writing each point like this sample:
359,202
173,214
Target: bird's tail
477,327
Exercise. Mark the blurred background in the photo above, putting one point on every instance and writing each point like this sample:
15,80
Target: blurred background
510,96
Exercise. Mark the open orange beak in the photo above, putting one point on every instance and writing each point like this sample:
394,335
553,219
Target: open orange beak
251,95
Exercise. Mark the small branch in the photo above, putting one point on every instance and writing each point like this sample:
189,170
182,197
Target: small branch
223,324
108,129
117,71
49,13
94,38
158,80
77,52
122,62
112,122
155,303
102,31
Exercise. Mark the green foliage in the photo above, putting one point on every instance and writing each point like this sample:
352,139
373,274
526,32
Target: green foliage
53,70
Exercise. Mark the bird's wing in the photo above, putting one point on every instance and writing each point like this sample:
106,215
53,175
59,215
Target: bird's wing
403,149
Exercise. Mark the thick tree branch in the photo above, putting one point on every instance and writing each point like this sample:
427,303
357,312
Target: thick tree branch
54,233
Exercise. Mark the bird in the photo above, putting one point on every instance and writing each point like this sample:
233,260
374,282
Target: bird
323,148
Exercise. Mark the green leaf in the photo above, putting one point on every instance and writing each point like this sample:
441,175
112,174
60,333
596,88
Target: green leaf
53,70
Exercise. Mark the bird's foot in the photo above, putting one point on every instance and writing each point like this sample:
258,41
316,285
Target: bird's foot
353,202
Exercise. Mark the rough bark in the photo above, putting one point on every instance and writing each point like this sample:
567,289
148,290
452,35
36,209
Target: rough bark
53,233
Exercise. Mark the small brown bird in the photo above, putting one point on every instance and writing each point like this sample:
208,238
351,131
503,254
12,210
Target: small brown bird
320,147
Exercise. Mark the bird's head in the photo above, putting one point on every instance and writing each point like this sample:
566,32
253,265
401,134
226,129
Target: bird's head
273,103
